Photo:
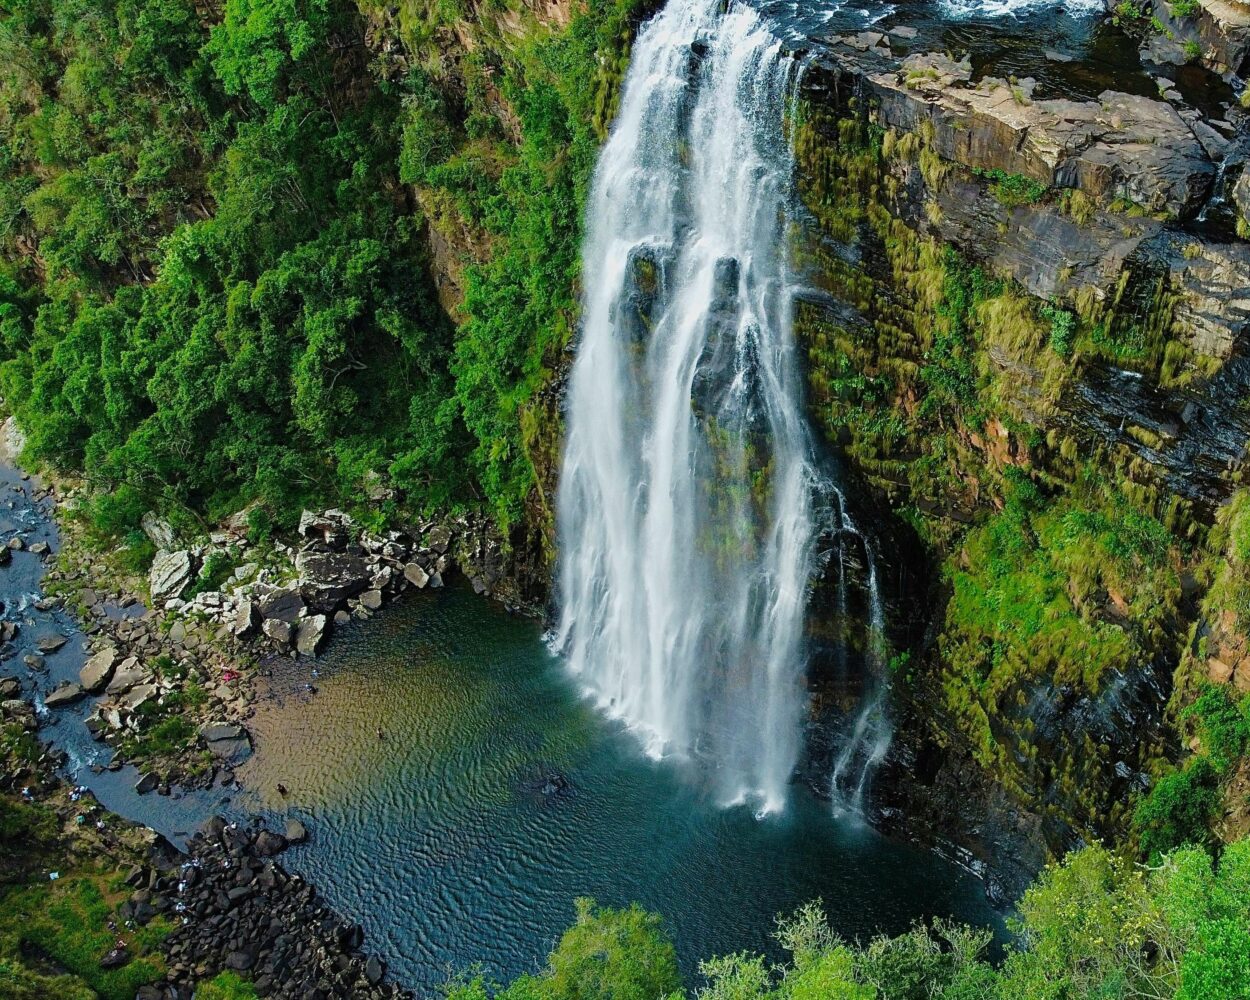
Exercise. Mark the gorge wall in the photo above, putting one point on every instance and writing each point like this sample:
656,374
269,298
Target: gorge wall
1023,334
1021,337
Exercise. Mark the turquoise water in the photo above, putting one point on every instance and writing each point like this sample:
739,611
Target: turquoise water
495,796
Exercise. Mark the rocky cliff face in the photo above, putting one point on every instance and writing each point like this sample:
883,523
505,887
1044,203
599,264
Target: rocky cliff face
1027,336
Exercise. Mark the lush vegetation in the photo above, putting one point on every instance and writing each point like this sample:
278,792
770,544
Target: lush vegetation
1092,928
215,271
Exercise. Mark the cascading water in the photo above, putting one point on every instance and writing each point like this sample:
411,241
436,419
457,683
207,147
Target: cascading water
688,488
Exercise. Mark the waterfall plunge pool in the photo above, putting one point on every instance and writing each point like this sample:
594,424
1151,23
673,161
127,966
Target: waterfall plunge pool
496,795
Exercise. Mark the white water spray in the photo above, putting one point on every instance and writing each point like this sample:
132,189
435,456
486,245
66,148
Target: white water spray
686,500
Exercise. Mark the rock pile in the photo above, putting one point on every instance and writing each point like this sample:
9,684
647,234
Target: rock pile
336,572
240,910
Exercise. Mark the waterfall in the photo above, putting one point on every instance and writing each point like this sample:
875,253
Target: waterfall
686,503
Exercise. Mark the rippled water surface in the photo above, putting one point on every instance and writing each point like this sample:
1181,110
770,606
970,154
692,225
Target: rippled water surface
495,796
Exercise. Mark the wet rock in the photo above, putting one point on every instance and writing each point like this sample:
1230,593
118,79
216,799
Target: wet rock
171,574
310,634
98,670
15,544
66,694
213,732
268,844
34,661
295,833
10,687
50,643
40,548
147,783
374,970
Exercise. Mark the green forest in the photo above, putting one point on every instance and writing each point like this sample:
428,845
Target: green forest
216,288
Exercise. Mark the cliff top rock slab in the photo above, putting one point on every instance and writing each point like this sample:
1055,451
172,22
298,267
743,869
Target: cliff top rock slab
1122,146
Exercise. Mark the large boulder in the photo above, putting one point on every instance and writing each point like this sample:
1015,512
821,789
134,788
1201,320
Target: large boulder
282,605
332,528
326,578
278,630
244,617
98,670
66,694
310,634
225,740
128,673
171,574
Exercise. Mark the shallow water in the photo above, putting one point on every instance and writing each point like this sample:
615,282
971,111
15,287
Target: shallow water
442,839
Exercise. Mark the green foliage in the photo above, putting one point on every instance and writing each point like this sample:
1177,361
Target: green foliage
949,371
1062,329
248,317
1013,190
68,922
226,986
1184,8
1178,809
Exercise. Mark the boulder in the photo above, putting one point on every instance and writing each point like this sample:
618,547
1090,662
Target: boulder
329,577
296,833
331,527
139,695
40,548
226,741
10,687
278,630
98,670
415,575
50,643
439,539
310,634
66,694
128,673
371,599
213,732
171,574
268,844
158,530
244,617
282,605
147,783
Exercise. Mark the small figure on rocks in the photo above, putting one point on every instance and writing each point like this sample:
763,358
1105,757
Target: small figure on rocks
281,788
